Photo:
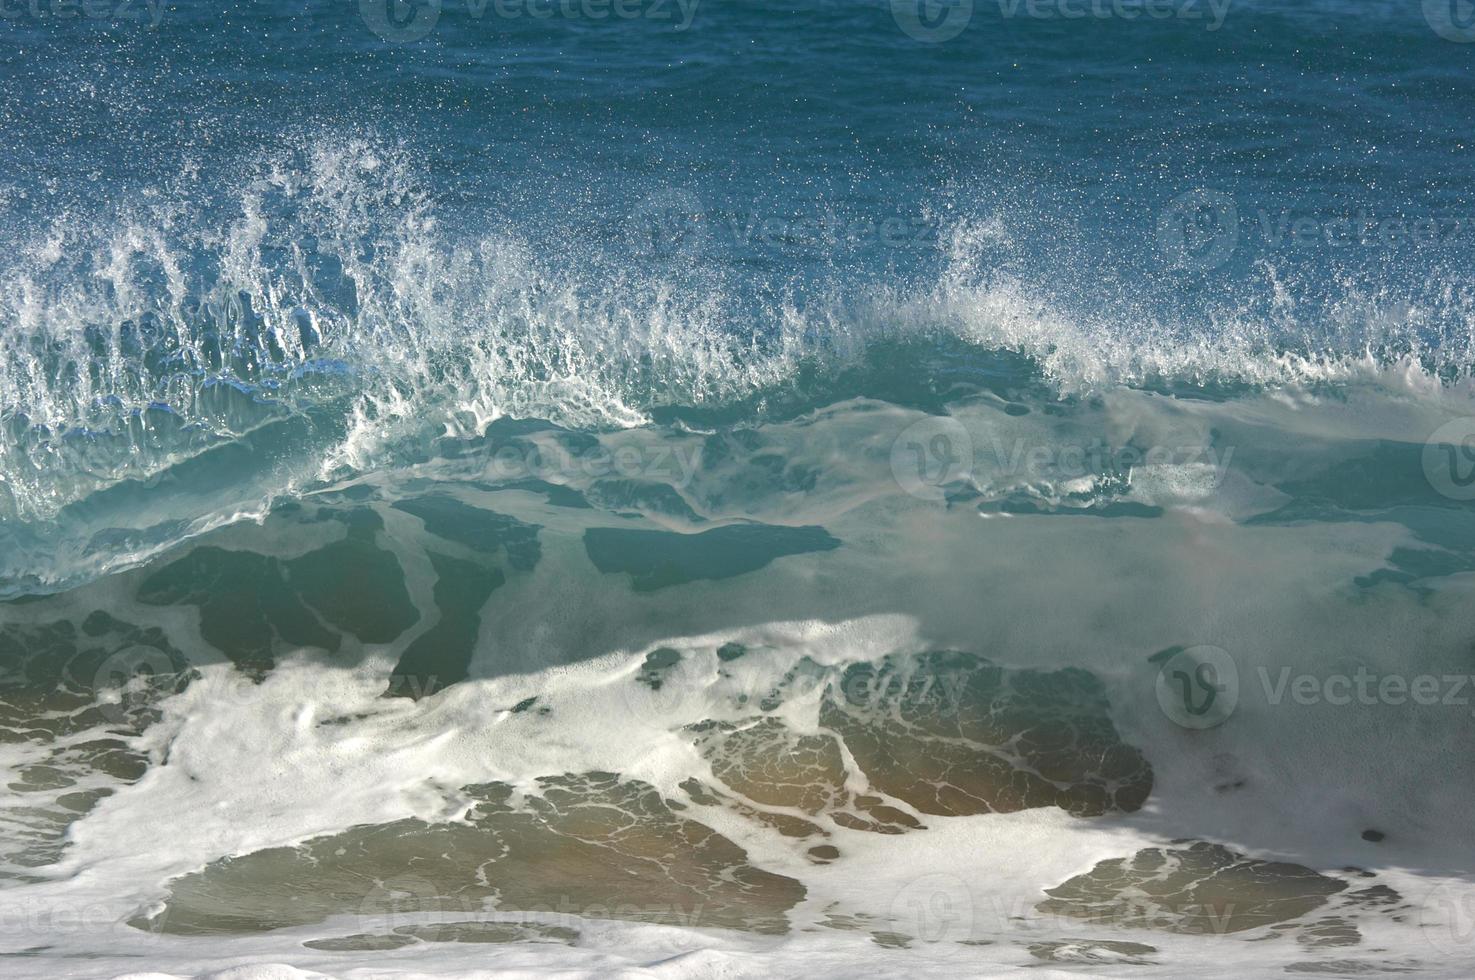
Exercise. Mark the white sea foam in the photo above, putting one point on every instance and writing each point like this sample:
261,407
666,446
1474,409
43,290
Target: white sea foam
135,340
440,336
252,766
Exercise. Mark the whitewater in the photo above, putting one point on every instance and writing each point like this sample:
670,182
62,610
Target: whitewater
531,536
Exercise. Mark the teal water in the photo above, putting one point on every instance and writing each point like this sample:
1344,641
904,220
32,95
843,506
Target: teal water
736,488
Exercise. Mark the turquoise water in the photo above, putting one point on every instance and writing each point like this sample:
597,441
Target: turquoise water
697,486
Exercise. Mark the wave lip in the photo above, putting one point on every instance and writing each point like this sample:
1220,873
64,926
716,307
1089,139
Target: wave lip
188,362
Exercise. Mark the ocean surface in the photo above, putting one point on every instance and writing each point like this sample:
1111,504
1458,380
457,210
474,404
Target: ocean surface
730,488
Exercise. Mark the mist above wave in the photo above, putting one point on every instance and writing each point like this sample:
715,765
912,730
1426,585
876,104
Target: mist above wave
329,292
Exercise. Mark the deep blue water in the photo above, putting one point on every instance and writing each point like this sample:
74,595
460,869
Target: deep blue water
1290,174
796,122
839,426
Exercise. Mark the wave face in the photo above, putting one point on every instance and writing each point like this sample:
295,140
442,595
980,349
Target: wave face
182,364
568,494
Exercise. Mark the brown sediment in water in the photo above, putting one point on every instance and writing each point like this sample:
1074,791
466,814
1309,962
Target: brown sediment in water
1199,888
73,695
953,734
591,845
